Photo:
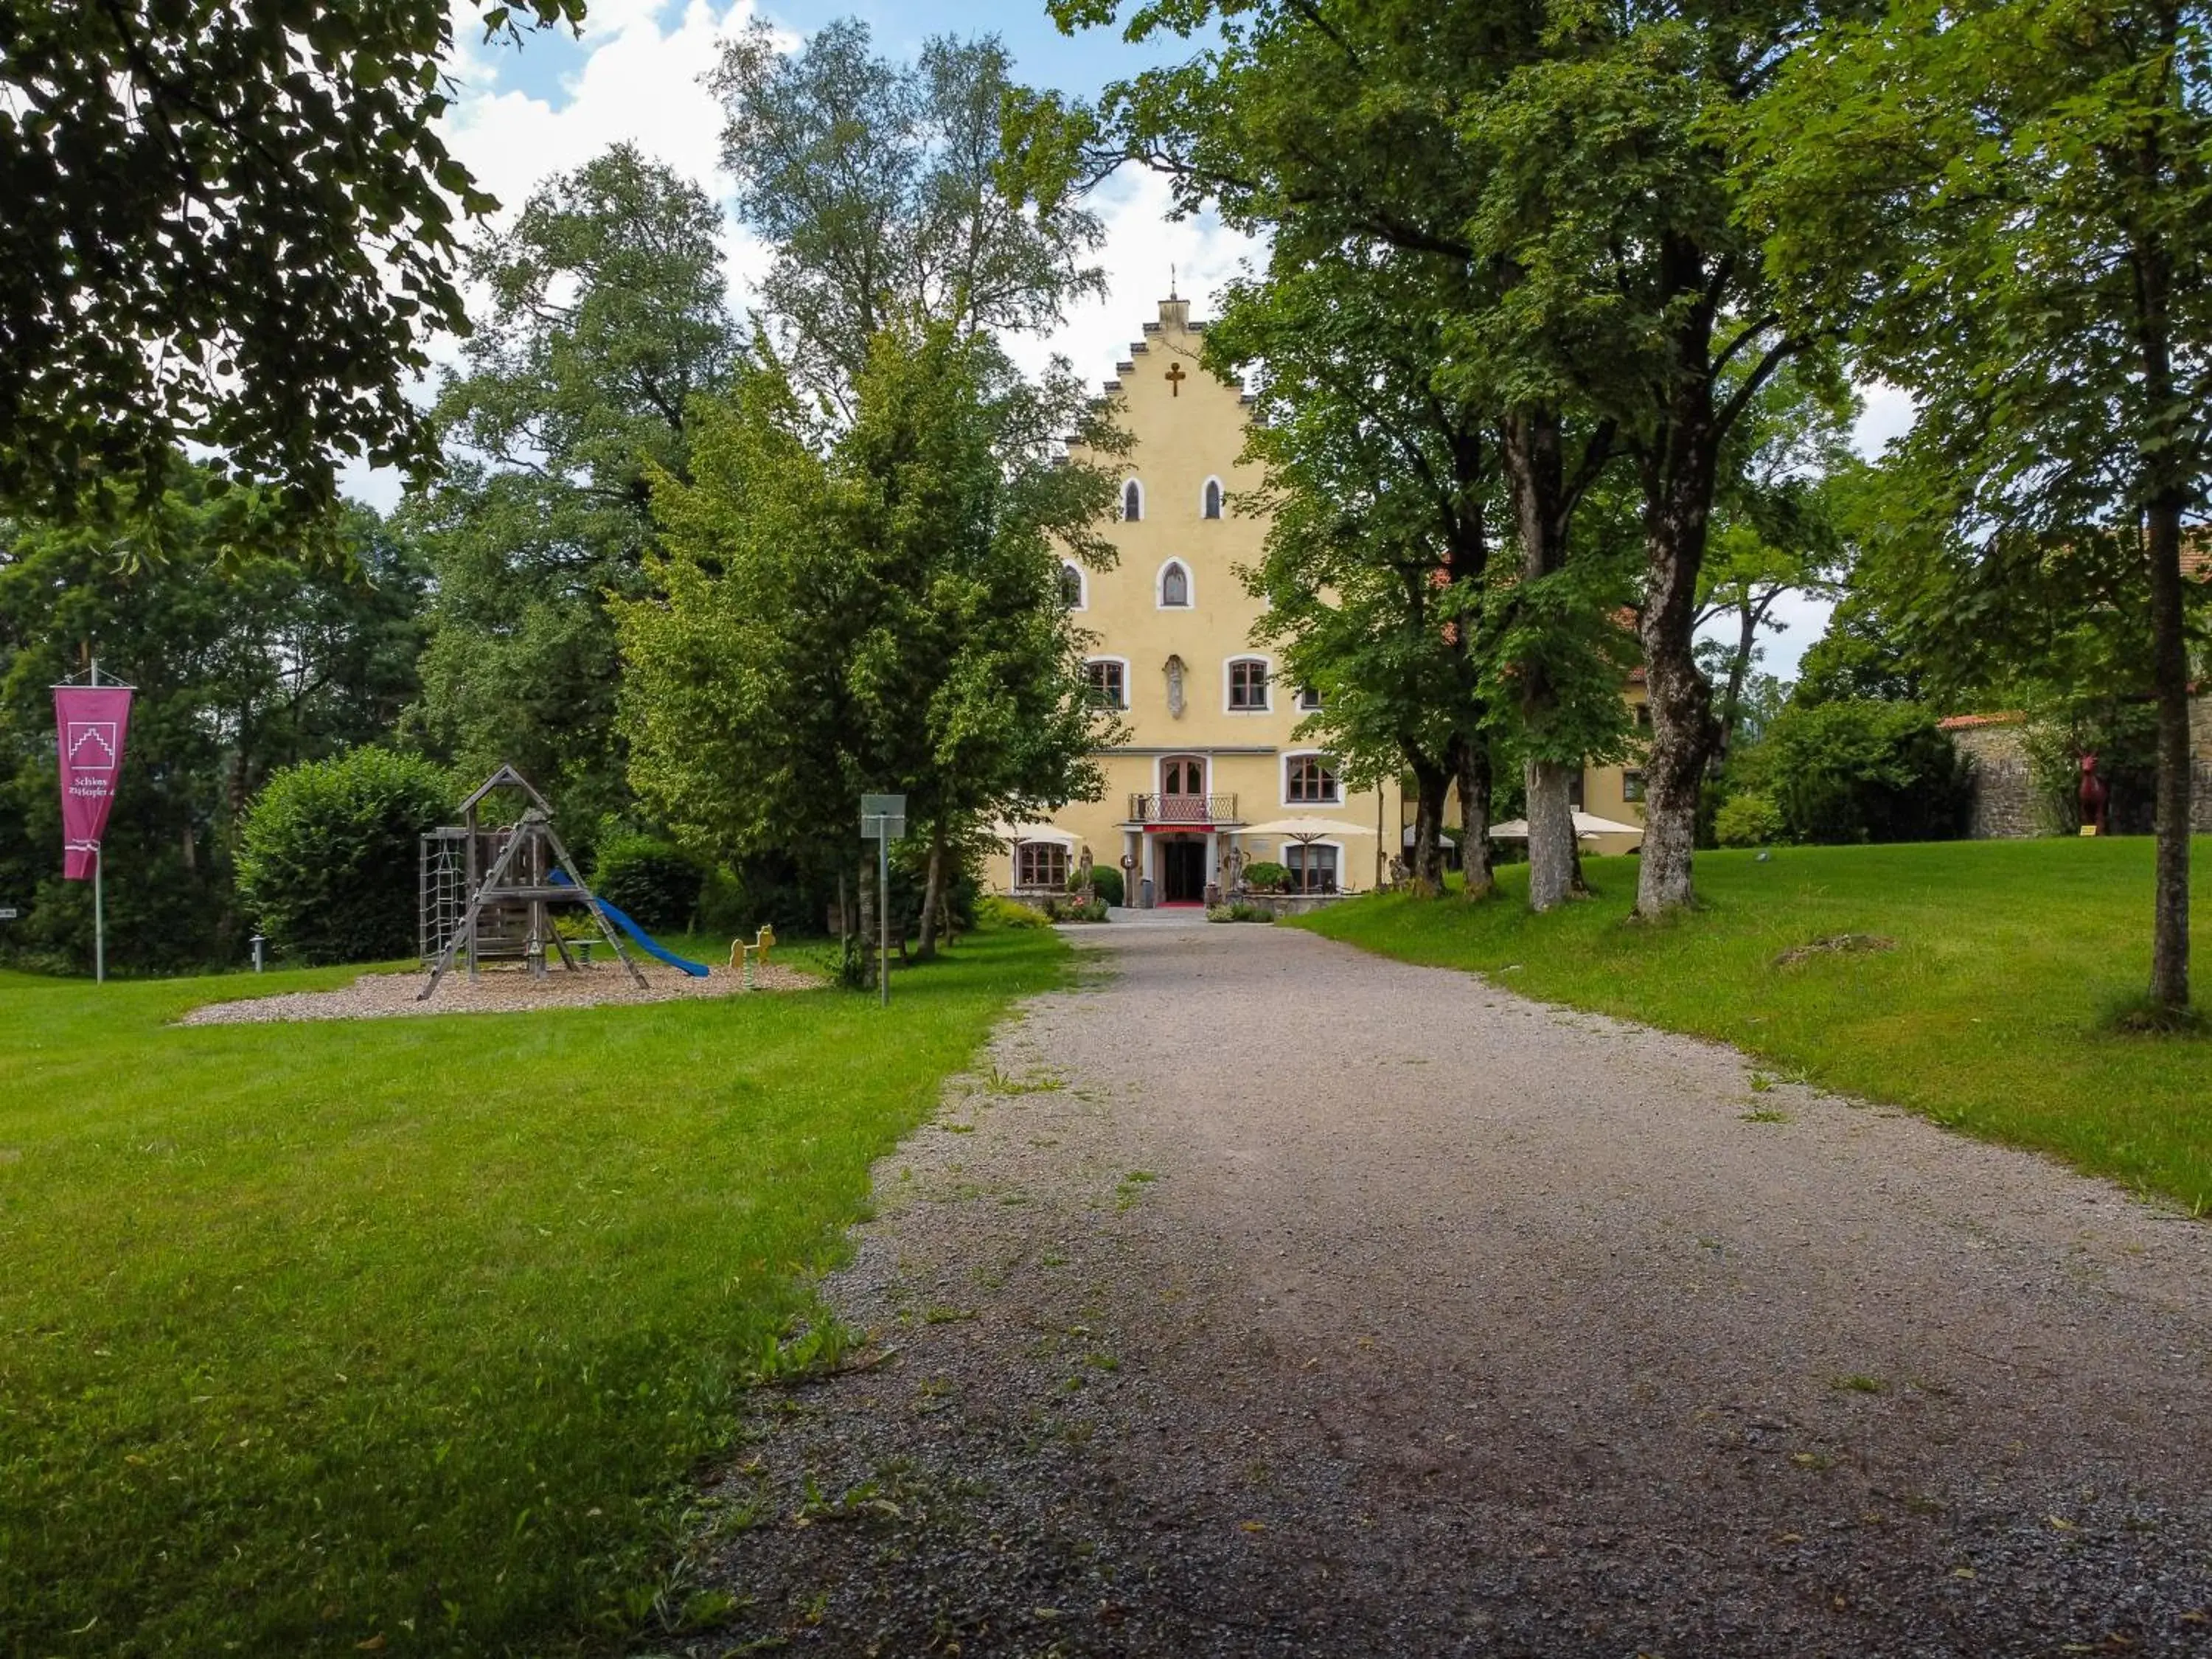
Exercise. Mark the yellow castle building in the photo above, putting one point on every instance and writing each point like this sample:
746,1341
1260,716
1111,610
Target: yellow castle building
1209,772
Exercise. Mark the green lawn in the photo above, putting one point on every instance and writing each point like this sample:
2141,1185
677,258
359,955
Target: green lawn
403,1335
1986,1016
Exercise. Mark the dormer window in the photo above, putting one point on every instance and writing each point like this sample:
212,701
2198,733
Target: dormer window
1209,505
1175,586
1071,587
1133,502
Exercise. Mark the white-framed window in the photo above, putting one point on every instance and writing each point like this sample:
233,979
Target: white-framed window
1311,780
1248,685
1308,697
1312,864
1209,499
1074,589
1040,864
1133,500
1631,786
1108,678
1182,774
1174,586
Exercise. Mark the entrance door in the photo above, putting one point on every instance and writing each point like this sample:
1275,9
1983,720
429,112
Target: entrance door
1182,791
1182,870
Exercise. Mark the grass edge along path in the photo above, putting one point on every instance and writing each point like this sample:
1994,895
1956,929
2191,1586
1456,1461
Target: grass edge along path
1987,1015
406,1335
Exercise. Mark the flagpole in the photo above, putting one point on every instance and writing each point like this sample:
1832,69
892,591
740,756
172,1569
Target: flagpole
98,904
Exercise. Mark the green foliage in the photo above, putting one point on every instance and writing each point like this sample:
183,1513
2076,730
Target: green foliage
2003,203
1381,486
653,882
1989,1018
1266,876
996,913
466,1301
738,899
1106,883
879,186
881,614
230,226
243,663
1072,909
327,861
1863,771
1747,821
1239,910
606,320
2121,733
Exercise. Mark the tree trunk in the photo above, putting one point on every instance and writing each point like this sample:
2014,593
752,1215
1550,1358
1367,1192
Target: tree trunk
1536,473
1432,783
1554,875
1474,783
1678,497
933,894
2169,950
871,932
1739,669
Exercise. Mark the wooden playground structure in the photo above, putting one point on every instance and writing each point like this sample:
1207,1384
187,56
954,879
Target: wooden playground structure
489,894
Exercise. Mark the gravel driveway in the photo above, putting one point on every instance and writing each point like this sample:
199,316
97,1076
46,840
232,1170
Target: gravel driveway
1270,1298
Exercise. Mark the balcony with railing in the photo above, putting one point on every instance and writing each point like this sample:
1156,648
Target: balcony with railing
1183,809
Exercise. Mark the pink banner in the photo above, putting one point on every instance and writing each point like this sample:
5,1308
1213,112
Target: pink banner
89,722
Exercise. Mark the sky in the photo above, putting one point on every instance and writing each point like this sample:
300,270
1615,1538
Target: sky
636,74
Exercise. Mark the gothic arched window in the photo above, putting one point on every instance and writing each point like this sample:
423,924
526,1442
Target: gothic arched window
1174,586
1133,500
1071,587
1210,504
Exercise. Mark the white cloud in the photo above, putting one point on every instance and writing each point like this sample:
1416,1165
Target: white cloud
641,82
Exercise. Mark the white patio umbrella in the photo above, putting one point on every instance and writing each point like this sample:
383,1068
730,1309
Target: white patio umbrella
1013,832
1586,825
1306,831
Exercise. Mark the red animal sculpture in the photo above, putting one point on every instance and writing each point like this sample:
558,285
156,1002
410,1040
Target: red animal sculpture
2096,799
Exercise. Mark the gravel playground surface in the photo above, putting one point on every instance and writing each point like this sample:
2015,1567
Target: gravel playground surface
1266,1297
501,990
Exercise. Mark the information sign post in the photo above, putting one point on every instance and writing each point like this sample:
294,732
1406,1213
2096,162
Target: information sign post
883,820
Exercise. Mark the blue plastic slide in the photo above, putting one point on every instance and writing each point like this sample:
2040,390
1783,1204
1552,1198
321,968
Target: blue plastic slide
643,941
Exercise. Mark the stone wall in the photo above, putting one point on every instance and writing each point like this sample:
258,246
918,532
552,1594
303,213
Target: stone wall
2004,805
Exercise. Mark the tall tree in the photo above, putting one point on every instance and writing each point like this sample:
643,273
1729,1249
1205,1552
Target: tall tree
1574,166
879,184
607,317
2007,203
1383,492
874,608
1321,124
230,223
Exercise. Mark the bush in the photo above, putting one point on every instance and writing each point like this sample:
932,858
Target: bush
1747,821
992,911
650,879
1858,771
1239,910
1262,876
1075,909
326,866
1106,883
